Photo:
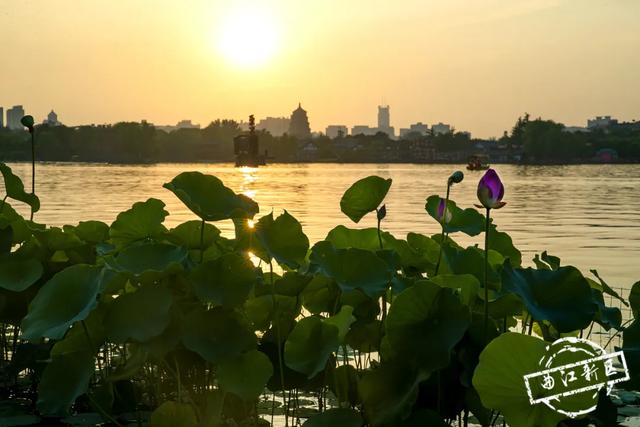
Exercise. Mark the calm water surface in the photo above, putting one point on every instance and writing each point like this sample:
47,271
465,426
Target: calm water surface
588,215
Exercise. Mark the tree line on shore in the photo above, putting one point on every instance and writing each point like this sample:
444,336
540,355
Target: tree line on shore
530,141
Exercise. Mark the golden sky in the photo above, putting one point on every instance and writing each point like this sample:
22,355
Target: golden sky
477,64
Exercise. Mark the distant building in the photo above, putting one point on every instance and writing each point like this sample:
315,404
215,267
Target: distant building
440,129
1,117
418,128
182,124
299,124
186,124
575,129
276,126
601,122
14,115
384,120
335,131
52,119
363,130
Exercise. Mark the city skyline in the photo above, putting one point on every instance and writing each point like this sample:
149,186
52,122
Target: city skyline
476,65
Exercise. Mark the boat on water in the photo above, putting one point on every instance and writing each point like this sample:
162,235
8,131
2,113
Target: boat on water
478,162
246,148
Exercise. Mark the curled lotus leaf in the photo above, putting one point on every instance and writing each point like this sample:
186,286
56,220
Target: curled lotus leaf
207,197
283,239
15,189
364,196
562,296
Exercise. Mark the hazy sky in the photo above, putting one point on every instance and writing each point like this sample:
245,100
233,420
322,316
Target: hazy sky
477,64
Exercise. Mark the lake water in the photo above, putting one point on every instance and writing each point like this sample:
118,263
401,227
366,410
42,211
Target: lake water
588,215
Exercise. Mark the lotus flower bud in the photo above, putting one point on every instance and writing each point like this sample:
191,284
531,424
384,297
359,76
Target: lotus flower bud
444,215
456,177
27,121
491,190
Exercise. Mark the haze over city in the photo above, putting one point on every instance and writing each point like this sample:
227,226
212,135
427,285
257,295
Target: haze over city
476,65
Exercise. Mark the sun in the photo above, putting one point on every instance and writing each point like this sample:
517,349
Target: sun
248,36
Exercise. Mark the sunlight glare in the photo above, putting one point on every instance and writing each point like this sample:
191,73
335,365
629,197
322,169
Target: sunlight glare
248,36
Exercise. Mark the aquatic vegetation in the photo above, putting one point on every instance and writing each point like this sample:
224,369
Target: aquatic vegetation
134,322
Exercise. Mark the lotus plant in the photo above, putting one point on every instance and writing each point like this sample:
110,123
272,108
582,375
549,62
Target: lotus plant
28,122
490,194
444,215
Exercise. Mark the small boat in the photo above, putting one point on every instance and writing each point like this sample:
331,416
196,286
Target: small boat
478,162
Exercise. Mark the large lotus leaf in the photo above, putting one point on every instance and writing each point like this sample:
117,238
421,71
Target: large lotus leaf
310,344
207,197
634,300
292,283
388,392
631,348
64,379
364,196
139,315
173,414
466,284
419,255
560,296
14,189
364,307
67,297
501,242
6,238
365,336
87,335
224,281
503,306
283,239
342,417
428,249
152,258
89,231
471,261
217,334
424,323
364,238
352,268
19,226
246,375
343,382
258,310
498,379
55,239
142,221
18,273
188,235
320,295
342,320
468,221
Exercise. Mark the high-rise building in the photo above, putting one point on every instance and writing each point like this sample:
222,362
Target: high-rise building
384,119
335,131
14,114
299,125
276,126
1,117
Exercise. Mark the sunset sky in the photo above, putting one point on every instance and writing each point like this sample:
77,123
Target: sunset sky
477,64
